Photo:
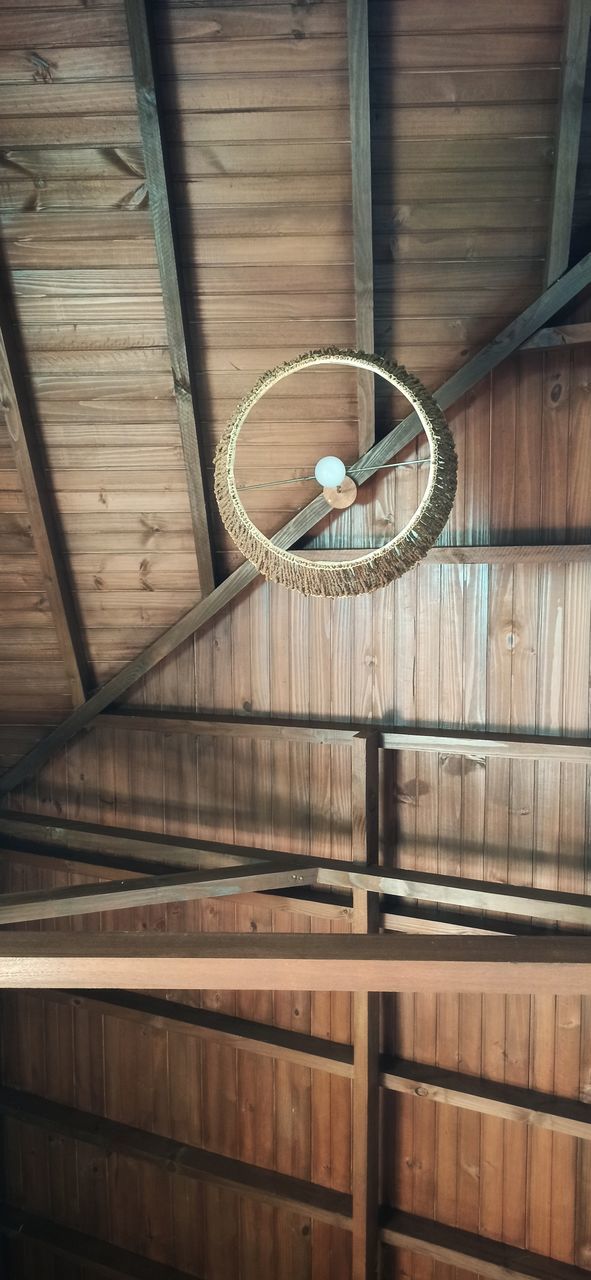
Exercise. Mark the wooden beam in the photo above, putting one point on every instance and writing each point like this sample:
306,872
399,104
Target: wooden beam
391,737
556,553
177,325
574,66
557,965
565,335
121,895
17,412
490,1259
264,1185
456,891
312,1052
360,117
452,891
488,1097
76,1247
507,341
365,1174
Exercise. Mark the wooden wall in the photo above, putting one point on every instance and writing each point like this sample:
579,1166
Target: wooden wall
505,647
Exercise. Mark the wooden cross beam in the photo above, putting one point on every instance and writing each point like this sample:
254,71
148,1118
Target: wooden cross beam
557,965
509,340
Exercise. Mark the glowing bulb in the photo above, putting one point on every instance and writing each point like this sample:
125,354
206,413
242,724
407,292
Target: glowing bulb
330,472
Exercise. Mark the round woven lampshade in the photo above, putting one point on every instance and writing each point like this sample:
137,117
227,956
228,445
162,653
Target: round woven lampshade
379,565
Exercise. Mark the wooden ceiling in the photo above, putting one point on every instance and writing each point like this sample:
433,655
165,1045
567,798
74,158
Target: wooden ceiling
294,176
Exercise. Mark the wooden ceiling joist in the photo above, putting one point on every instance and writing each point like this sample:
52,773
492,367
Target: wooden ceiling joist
359,113
177,325
557,965
490,1259
574,67
264,1185
26,449
82,1250
509,340
451,1088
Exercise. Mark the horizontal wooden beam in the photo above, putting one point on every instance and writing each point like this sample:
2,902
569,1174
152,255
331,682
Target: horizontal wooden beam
489,1259
487,1097
557,965
265,1185
391,737
102,1257
312,1052
506,342
556,553
562,335
118,895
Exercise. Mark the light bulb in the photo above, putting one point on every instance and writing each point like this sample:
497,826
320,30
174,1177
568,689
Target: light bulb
330,472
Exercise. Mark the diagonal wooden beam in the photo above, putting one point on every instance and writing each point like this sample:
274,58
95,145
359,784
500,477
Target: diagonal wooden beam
488,1097
360,116
17,411
557,965
574,66
168,265
76,1247
489,1259
265,1185
119,895
510,338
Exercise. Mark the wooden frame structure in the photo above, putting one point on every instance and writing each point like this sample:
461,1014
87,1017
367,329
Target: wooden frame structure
366,963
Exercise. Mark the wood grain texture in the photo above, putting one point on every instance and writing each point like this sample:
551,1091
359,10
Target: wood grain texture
574,64
449,1246
534,966
178,334
358,61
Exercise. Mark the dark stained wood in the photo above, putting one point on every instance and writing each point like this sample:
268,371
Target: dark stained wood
358,58
366,1018
307,962
508,1102
488,1258
512,337
117,895
176,321
26,450
576,44
78,1248
564,335
264,1185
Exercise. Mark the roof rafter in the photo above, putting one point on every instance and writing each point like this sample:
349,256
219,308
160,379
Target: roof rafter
574,66
174,310
508,341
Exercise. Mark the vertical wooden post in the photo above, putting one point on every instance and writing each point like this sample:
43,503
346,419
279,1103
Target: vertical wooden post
366,1021
359,110
574,65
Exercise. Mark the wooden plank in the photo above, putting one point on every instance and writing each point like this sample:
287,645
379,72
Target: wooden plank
25,446
366,1020
574,66
490,1259
76,1247
506,1101
512,337
264,1185
168,264
564,335
307,962
392,738
119,895
207,1024
358,59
